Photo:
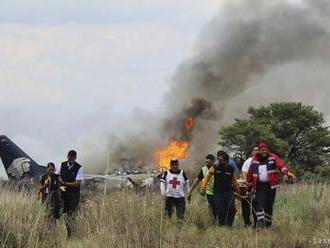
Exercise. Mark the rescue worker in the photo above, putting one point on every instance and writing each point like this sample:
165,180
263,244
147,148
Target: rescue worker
225,184
173,186
49,188
72,174
265,180
209,162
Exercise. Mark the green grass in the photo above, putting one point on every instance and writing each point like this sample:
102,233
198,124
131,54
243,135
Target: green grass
128,219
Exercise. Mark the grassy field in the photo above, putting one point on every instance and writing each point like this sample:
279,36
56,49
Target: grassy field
129,219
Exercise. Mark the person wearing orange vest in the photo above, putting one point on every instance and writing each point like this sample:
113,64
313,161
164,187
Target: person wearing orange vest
264,179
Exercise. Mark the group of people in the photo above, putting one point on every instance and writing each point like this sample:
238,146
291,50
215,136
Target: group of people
253,182
61,187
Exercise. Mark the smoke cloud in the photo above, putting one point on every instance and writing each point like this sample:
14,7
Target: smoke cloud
251,53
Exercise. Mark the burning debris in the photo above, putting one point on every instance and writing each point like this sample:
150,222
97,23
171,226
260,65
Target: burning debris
181,125
181,128
189,125
183,133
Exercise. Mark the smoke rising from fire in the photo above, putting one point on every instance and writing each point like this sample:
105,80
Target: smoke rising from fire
246,43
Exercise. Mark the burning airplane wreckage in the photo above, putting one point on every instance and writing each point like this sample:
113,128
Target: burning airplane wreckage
141,173
145,174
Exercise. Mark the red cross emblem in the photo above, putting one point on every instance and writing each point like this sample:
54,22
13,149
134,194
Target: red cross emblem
174,182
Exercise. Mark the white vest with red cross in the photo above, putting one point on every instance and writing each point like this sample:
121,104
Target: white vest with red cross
175,185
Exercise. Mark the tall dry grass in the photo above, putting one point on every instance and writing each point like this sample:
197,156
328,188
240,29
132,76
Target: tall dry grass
24,222
126,218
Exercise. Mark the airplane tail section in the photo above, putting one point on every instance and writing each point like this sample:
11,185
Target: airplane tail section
16,162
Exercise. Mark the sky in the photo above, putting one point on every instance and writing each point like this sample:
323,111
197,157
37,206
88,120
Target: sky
68,69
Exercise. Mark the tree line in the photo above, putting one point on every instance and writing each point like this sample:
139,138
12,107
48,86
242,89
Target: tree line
297,133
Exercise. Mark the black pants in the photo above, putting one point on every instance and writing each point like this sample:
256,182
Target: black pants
70,202
246,210
178,203
246,204
70,207
53,204
254,212
210,200
265,197
225,208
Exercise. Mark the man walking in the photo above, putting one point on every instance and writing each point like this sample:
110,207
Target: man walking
225,183
71,174
173,185
209,162
265,180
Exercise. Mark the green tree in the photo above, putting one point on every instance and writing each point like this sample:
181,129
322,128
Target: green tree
295,130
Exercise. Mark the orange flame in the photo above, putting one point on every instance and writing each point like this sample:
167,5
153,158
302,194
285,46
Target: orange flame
189,123
175,150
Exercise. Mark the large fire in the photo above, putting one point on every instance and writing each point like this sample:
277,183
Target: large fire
176,149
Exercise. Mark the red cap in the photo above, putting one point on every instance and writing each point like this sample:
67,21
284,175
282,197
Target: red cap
262,145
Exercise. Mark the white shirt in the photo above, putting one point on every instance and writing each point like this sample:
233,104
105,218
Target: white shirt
80,173
263,173
246,165
174,185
